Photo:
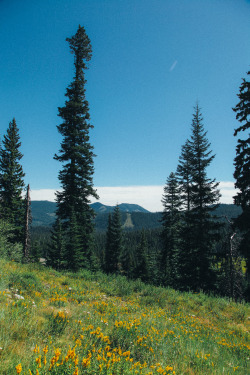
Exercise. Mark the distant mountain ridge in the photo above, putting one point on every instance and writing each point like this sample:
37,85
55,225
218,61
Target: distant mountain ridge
133,216
124,207
43,212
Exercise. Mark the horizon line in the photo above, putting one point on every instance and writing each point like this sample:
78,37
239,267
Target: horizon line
147,196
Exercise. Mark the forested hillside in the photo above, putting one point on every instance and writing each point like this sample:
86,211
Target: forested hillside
43,214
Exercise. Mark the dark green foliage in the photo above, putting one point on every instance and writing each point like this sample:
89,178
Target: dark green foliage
108,248
200,228
56,254
242,160
9,249
171,221
114,243
187,255
76,154
36,251
242,168
11,182
75,257
141,270
230,276
184,173
40,242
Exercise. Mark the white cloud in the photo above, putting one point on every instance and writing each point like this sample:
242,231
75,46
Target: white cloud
43,195
227,191
148,197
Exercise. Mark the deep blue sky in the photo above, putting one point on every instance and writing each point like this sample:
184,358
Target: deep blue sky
152,60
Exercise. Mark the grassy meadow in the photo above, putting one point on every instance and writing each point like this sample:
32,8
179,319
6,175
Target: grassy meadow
64,323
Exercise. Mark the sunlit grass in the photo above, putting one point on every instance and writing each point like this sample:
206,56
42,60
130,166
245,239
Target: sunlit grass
95,324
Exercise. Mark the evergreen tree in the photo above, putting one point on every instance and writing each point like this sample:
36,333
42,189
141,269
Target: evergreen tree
184,175
114,242
8,249
56,256
171,221
75,256
242,168
108,247
203,201
142,263
12,183
76,154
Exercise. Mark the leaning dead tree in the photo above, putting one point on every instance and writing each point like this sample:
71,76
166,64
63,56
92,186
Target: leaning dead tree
28,220
233,264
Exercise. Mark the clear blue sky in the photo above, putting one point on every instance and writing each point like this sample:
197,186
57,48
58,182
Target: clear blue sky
152,60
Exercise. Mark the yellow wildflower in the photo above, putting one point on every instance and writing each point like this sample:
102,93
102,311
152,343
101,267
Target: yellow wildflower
45,350
38,361
19,368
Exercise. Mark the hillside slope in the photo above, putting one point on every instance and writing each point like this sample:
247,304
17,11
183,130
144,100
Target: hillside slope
64,323
43,212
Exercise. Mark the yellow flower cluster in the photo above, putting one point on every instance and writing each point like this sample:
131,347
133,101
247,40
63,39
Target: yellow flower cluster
19,368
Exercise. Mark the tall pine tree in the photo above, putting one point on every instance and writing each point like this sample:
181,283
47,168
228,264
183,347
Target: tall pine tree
242,169
12,182
200,230
204,199
76,155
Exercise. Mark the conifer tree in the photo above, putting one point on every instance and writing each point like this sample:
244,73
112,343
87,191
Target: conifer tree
242,168
12,183
142,267
114,242
76,154
171,221
108,247
75,256
8,248
56,256
184,175
203,229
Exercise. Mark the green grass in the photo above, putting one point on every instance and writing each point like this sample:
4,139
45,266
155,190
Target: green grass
97,324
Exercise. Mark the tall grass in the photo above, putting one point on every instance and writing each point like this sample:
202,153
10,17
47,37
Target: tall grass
97,324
